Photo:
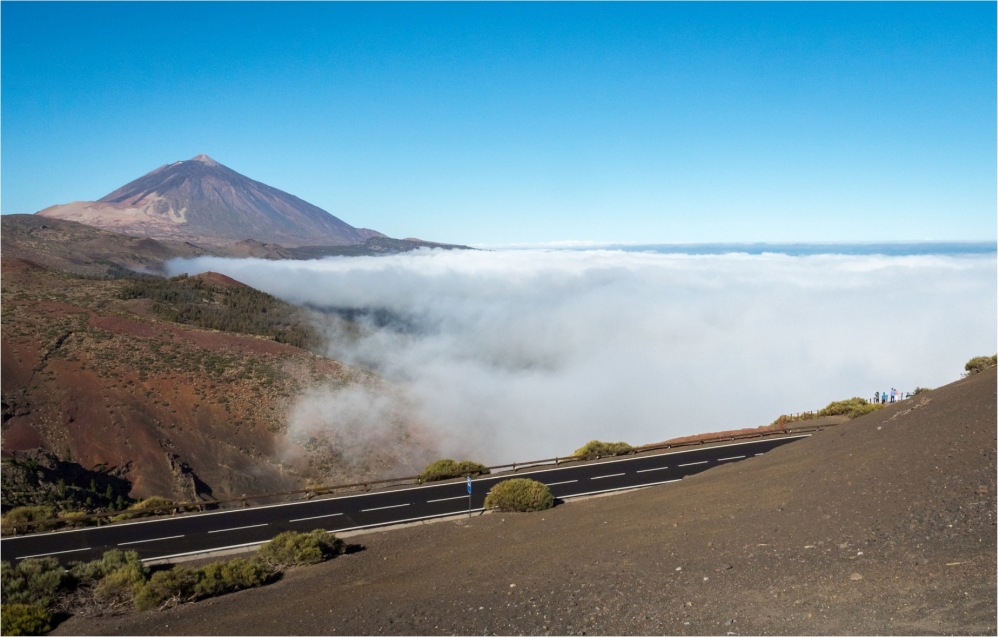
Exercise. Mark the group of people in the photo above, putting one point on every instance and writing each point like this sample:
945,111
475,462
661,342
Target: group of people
881,398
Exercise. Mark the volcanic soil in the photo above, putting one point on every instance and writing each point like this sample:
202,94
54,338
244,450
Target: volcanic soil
884,525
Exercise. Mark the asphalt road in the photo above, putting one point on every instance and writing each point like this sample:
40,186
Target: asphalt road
175,537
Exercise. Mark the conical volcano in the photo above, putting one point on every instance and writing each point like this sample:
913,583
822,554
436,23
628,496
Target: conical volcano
202,201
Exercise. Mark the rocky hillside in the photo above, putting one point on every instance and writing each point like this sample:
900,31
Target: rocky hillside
181,387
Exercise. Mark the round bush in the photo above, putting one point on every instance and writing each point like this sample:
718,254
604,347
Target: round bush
519,494
297,549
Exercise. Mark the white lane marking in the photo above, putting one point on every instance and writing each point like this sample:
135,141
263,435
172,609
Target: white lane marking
457,497
157,539
690,464
315,517
394,506
237,528
731,458
647,470
759,454
609,475
28,557
554,484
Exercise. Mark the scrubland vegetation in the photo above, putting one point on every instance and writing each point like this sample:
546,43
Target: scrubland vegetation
36,590
237,308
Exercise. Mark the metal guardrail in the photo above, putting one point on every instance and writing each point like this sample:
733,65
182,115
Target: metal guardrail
179,508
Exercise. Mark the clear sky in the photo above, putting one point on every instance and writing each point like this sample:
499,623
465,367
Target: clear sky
518,122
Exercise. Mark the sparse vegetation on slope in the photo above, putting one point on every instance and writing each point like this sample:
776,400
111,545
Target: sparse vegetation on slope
228,308
36,589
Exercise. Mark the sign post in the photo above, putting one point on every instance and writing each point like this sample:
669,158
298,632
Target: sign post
469,496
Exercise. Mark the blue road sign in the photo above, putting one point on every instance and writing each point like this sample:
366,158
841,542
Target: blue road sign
469,484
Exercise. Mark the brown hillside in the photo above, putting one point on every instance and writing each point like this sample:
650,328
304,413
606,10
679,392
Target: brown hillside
883,525
180,411
80,249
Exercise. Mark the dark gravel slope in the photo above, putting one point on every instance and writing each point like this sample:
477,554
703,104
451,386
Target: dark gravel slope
885,525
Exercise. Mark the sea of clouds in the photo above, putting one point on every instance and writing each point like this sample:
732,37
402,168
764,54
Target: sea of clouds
525,354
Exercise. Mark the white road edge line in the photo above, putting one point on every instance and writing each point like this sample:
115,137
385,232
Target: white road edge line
238,528
457,497
315,517
647,470
637,486
690,464
731,458
393,506
156,539
28,557
609,475
554,484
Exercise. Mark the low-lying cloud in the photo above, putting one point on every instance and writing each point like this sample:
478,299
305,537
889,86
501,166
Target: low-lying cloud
514,355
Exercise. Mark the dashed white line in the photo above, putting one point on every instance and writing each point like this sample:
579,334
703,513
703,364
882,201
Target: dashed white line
457,497
316,517
609,475
655,469
26,557
554,484
157,539
237,528
731,458
394,506
690,464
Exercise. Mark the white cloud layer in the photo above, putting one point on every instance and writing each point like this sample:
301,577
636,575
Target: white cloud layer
516,355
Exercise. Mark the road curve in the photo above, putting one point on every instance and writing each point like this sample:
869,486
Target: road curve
176,537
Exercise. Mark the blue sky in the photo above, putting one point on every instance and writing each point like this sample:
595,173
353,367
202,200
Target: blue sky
519,122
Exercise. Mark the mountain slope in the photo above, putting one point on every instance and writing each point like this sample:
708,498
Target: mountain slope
201,200
182,387
882,526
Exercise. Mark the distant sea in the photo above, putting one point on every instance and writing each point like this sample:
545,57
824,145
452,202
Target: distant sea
948,248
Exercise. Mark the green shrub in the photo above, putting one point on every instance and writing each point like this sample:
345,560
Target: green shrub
25,619
35,581
90,573
853,408
980,363
599,449
38,517
292,548
219,578
150,506
519,494
167,588
447,468
119,587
